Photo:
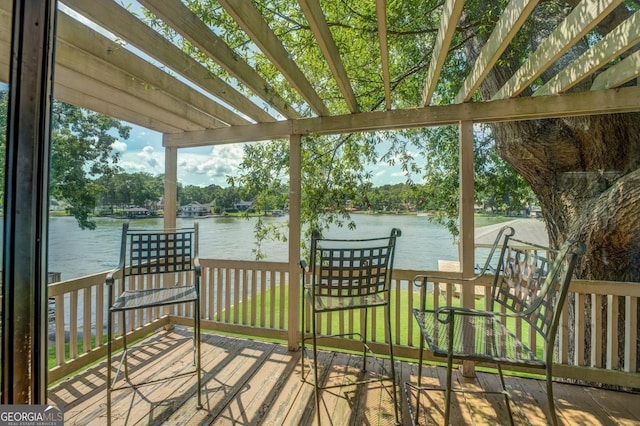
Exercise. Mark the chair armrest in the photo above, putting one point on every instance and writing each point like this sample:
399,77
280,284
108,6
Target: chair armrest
305,270
196,266
110,279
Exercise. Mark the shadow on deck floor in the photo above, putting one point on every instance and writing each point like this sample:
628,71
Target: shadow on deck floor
248,382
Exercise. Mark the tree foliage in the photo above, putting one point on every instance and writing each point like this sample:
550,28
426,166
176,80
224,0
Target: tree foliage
81,151
336,169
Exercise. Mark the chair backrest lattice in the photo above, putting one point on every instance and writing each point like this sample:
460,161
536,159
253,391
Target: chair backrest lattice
146,252
350,267
533,281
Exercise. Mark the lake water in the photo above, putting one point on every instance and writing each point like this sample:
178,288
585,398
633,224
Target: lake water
75,252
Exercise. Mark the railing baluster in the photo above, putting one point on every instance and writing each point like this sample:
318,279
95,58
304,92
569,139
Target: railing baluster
596,330
73,325
60,310
612,332
631,334
99,314
579,358
86,323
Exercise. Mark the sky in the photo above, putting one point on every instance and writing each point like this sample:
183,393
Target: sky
203,166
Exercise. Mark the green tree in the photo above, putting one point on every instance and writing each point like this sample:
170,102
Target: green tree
81,151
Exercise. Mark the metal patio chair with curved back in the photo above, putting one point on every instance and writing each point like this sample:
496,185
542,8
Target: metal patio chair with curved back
157,268
348,274
530,286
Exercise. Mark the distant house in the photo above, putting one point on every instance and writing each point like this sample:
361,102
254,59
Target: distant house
55,205
194,209
136,213
244,205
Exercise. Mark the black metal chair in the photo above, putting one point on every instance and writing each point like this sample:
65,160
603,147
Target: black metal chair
168,254
530,285
349,274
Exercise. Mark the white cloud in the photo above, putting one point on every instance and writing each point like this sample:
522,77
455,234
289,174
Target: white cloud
119,147
150,158
196,167
146,160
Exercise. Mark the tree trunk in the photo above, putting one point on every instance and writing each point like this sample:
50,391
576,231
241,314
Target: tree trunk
585,172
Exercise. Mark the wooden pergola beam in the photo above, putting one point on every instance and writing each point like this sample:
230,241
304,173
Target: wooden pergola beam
513,17
580,21
96,73
81,83
452,9
619,74
315,16
381,13
90,42
90,102
253,24
523,108
118,20
184,22
611,46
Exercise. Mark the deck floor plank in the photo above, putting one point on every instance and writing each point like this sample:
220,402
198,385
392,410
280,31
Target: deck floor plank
295,404
247,382
530,398
570,399
618,405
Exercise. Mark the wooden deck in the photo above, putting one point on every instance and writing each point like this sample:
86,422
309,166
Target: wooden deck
250,382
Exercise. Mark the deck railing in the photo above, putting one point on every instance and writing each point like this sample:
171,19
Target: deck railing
250,299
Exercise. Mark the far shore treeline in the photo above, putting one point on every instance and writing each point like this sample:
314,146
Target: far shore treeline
123,191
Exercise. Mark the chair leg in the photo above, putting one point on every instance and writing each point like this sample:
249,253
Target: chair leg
420,358
109,348
506,394
552,406
123,330
315,366
447,392
394,388
198,348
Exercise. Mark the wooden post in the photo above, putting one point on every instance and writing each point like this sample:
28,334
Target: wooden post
26,202
467,237
295,188
170,186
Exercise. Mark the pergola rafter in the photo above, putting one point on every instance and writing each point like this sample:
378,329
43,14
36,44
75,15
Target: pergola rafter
183,21
611,46
318,24
582,18
181,96
249,19
119,21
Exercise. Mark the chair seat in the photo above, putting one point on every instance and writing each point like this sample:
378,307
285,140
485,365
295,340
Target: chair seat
487,339
135,299
336,303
